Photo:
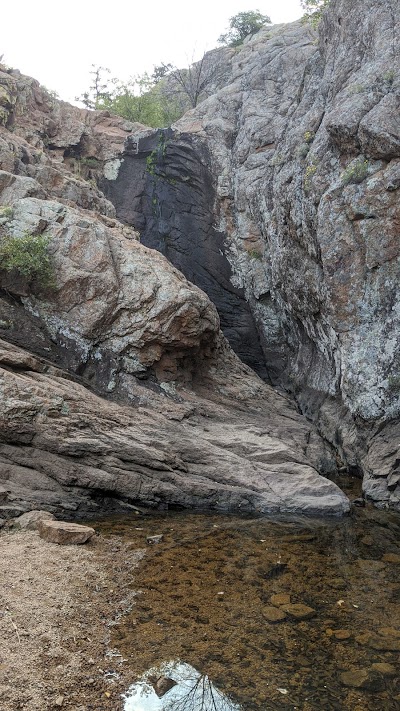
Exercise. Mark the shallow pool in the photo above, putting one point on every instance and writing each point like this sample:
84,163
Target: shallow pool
289,614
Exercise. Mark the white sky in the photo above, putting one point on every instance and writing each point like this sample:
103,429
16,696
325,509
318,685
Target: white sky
56,42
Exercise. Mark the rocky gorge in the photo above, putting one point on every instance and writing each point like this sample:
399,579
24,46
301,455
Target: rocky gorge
222,331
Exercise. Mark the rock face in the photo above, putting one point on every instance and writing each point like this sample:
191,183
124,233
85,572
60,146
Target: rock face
277,197
299,156
116,384
76,453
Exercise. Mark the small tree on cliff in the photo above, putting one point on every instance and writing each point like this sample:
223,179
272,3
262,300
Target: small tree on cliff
99,91
313,10
190,85
242,25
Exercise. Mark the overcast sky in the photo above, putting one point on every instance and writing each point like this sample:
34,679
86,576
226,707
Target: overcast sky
56,42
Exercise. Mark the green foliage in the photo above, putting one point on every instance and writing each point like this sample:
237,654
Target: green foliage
254,254
141,99
308,175
28,256
242,25
394,382
309,136
90,162
99,90
6,212
303,150
356,172
389,76
313,10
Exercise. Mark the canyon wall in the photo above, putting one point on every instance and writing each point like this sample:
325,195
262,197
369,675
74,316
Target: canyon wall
298,157
277,197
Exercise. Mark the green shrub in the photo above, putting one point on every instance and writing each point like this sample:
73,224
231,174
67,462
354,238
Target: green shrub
309,136
242,25
6,211
356,172
27,256
308,175
254,254
389,76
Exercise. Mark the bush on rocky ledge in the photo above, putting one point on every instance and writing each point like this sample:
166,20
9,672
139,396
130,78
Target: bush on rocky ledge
29,257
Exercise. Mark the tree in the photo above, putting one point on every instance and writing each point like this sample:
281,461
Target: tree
190,85
242,25
99,90
313,10
160,71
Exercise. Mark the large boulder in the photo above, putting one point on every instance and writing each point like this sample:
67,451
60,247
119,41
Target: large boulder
65,533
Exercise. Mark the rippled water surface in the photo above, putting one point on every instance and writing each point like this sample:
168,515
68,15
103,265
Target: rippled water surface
281,615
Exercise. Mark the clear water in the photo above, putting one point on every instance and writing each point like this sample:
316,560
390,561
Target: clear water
208,597
191,690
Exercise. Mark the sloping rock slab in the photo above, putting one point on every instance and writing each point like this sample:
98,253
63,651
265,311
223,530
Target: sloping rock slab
65,533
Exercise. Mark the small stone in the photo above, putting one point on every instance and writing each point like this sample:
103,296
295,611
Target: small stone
391,558
59,701
299,611
2,522
356,678
273,614
30,521
65,533
389,632
359,502
341,634
367,541
163,684
370,566
152,540
280,599
384,668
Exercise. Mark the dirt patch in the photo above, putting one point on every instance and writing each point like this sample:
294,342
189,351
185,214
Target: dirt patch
58,605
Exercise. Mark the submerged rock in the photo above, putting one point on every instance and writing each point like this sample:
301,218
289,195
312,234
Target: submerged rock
299,611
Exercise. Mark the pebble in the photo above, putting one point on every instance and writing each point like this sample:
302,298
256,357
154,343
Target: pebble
367,541
280,599
356,678
384,668
391,558
299,611
273,614
155,539
338,634
59,701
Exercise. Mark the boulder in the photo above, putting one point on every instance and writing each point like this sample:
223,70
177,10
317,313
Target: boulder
30,521
65,533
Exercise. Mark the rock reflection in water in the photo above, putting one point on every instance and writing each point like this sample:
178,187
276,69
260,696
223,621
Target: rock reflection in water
192,691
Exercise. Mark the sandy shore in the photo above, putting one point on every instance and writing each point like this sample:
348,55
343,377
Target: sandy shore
57,607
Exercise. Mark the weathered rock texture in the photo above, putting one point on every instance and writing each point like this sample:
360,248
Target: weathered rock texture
277,196
65,533
299,154
117,387
241,447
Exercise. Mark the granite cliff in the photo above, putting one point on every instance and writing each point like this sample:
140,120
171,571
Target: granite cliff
276,197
